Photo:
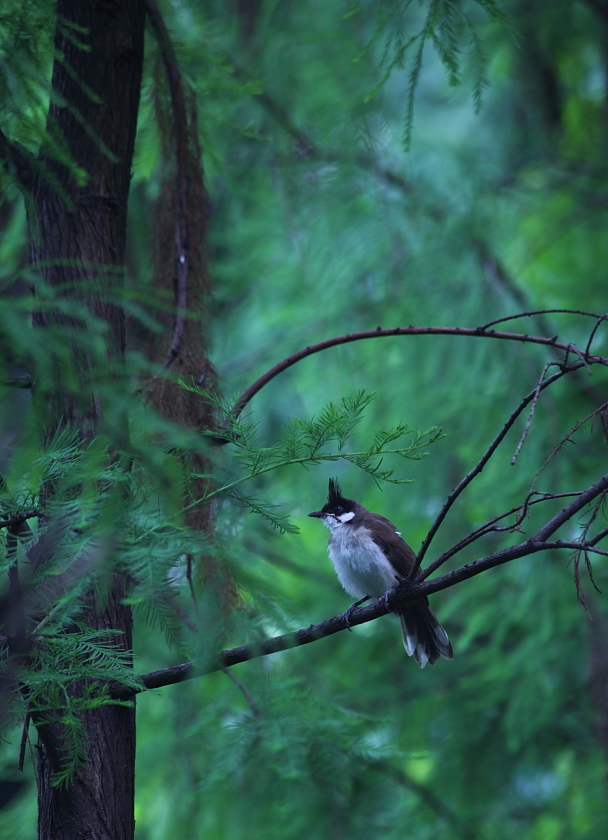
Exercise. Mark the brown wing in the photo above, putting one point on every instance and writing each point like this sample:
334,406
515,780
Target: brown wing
385,535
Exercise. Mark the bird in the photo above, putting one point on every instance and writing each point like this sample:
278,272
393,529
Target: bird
370,557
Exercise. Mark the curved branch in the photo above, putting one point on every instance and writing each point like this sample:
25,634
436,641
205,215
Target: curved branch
477,332
402,594
543,312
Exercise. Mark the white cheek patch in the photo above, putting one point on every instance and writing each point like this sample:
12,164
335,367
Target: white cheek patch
346,517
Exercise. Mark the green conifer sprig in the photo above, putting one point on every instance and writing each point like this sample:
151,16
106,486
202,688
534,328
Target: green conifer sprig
454,33
307,443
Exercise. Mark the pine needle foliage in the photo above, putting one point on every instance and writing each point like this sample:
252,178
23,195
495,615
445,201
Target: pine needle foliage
404,28
88,511
86,660
324,438
27,53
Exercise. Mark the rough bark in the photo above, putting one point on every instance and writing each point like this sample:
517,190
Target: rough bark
78,234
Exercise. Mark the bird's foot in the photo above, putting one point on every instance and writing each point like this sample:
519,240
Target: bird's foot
384,600
351,610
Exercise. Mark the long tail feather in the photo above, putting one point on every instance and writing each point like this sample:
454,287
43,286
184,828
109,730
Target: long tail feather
423,636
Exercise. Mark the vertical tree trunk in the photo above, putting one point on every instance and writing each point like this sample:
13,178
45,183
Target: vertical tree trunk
78,233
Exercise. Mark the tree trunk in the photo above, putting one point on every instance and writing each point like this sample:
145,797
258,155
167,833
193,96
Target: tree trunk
78,233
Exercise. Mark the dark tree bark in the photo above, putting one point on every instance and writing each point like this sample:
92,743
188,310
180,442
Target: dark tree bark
78,233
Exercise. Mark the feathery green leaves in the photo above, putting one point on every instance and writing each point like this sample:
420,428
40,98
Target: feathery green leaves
307,443
404,28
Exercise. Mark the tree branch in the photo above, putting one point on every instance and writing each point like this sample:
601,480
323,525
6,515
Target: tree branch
477,332
480,465
491,527
396,597
19,518
537,312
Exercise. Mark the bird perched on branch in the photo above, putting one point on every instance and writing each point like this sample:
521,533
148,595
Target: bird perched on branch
370,557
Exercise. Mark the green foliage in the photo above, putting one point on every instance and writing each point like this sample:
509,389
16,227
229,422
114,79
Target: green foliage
85,660
453,30
321,226
306,443
97,509
26,54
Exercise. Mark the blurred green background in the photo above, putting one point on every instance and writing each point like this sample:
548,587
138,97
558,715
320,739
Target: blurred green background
326,220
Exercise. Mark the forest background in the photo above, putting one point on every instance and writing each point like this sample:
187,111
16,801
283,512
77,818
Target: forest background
366,165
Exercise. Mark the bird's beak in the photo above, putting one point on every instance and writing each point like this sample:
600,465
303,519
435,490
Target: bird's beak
317,513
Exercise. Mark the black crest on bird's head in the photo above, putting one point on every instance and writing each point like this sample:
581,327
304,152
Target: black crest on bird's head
336,500
336,504
334,496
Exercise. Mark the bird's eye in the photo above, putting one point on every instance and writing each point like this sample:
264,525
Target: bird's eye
339,508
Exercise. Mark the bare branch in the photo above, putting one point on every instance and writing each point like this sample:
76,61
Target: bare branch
564,440
243,690
536,312
598,323
602,534
477,332
524,434
480,465
491,527
578,504
24,741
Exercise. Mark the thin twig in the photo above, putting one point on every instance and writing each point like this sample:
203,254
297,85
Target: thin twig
180,128
42,624
575,546
531,412
537,312
243,690
585,553
18,382
583,356
599,321
190,582
490,528
564,440
476,470
178,610
594,540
